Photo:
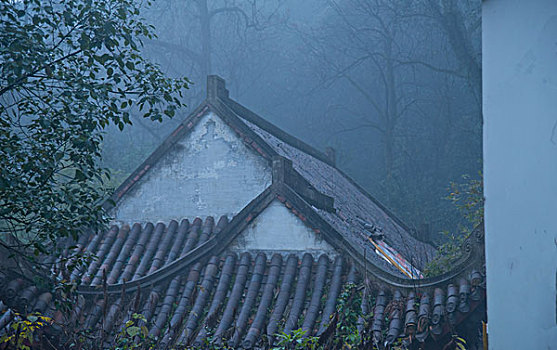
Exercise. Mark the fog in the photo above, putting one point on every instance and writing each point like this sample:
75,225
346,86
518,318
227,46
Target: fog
132,220
393,87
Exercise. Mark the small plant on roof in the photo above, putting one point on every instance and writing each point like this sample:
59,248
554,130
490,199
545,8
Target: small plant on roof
342,331
296,340
134,335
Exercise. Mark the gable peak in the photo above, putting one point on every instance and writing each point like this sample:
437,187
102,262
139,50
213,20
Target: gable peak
216,88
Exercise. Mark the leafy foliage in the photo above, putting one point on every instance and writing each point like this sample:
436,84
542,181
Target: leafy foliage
459,342
134,335
349,306
469,200
468,197
23,329
343,331
68,70
447,254
296,340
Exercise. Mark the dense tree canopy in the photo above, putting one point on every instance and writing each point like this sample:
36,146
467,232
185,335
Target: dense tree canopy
68,69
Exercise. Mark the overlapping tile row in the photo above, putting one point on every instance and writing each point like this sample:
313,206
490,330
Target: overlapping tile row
245,300
417,316
240,300
121,254
125,254
230,299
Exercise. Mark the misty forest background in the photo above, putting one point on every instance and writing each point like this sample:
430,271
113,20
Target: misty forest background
393,86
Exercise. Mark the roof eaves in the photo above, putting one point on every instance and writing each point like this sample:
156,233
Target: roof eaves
472,260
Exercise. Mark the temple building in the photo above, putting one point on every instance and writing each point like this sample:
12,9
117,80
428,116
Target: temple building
233,231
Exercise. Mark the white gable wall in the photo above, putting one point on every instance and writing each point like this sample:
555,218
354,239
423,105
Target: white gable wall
278,229
208,172
520,171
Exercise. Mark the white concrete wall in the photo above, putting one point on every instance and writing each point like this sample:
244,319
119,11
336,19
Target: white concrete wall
209,172
278,229
520,169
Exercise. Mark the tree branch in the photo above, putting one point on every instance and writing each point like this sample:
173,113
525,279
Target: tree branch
364,93
28,75
177,48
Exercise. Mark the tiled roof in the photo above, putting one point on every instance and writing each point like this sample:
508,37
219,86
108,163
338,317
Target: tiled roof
329,193
192,287
242,300
353,205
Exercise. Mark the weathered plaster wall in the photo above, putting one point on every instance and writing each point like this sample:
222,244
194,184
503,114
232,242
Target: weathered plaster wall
520,169
209,172
278,229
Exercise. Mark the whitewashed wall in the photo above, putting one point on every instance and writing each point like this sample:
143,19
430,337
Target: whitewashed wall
209,172
278,229
520,169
